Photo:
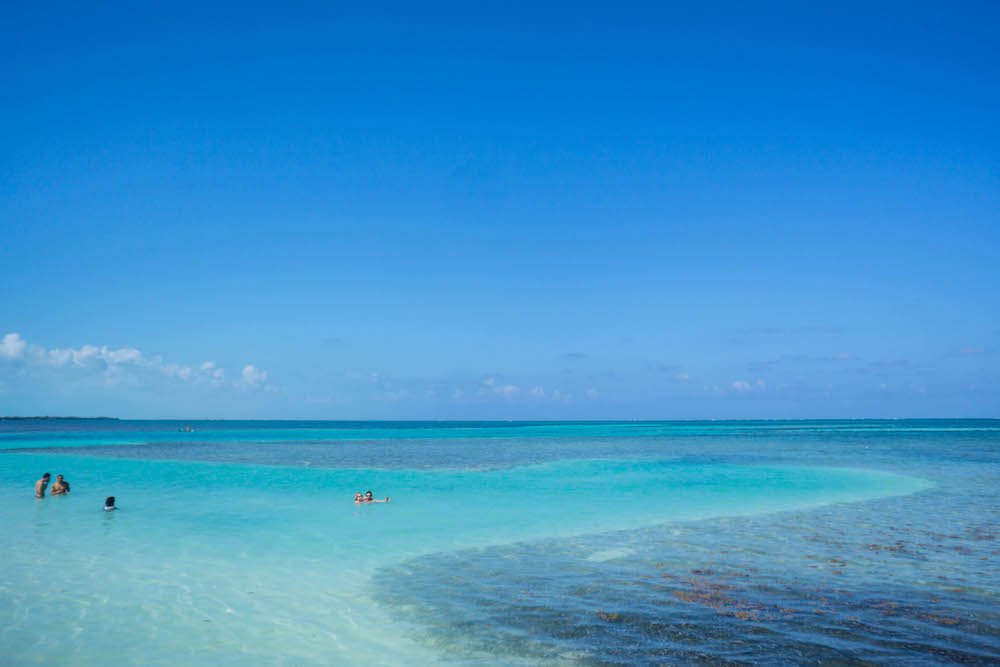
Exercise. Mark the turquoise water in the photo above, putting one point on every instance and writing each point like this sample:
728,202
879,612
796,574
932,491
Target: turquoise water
595,543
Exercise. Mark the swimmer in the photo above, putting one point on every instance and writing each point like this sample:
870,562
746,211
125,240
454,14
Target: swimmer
109,504
370,499
60,487
41,484
358,498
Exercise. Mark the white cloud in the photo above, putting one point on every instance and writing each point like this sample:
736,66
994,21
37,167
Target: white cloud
537,392
207,372
59,357
741,386
12,346
490,386
115,363
123,355
91,355
683,377
508,390
252,376
592,393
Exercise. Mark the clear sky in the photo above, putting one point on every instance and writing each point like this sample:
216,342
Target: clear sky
500,210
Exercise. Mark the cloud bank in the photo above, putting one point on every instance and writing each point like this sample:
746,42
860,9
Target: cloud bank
116,364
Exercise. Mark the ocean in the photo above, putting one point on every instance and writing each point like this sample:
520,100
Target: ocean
590,543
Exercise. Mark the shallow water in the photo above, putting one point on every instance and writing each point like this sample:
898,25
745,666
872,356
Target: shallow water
604,543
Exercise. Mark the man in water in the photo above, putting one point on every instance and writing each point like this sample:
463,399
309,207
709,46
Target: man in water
60,487
41,484
109,504
369,498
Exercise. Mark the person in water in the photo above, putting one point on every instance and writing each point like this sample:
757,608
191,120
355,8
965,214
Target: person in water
369,498
109,504
41,485
358,498
60,487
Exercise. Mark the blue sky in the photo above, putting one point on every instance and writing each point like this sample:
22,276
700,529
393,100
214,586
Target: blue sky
500,211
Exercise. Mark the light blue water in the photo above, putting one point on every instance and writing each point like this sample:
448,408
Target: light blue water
554,543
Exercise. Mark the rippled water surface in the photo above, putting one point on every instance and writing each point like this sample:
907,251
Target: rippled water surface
849,542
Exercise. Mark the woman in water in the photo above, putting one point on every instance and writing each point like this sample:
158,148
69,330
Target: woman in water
109,504
370,499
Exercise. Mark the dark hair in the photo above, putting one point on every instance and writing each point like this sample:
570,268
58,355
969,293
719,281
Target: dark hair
110,501
46,475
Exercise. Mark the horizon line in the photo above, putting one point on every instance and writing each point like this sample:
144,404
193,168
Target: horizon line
490,421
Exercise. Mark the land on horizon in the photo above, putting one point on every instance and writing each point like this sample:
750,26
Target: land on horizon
13,417
496,421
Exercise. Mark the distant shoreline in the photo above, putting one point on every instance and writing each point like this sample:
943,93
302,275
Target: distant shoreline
540,422
59,418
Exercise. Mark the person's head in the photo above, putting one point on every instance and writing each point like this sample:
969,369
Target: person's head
46,476
58,478
109,501
368,495
358,496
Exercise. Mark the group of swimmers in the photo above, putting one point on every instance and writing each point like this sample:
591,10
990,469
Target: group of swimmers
61,488
367,498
